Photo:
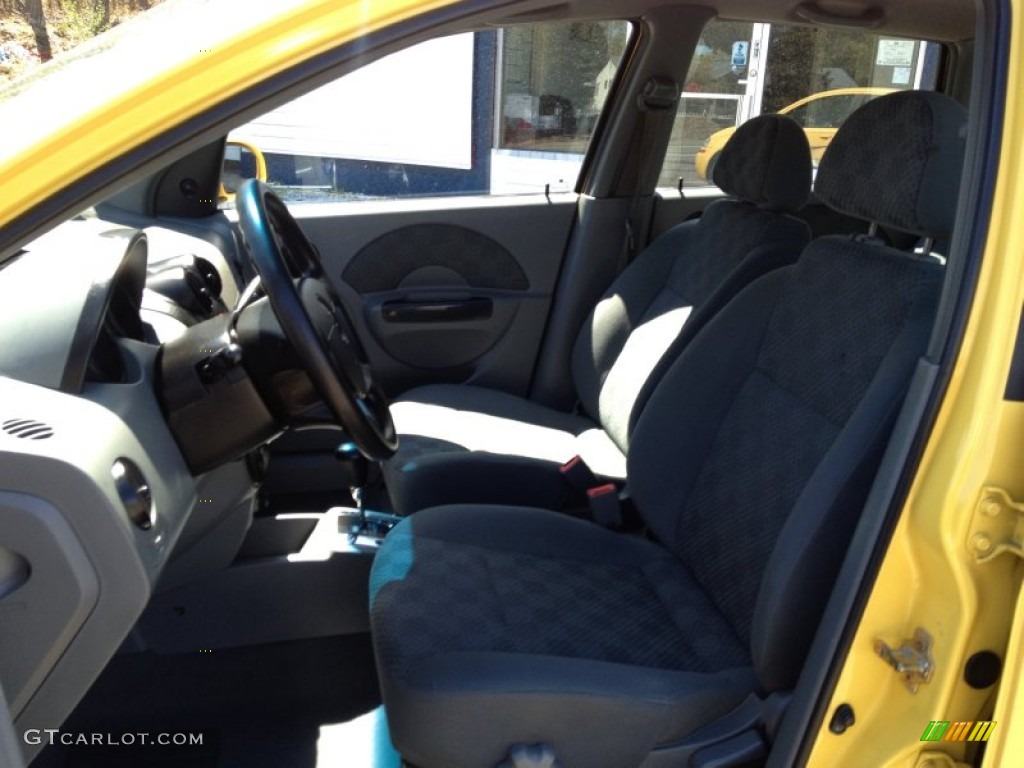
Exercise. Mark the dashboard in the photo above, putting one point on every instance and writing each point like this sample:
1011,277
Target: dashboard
97,497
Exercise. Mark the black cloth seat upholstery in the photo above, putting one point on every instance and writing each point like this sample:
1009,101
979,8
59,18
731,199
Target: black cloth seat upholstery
470,444
533,617
503,626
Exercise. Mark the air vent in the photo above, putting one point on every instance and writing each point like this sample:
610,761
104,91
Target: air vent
27,429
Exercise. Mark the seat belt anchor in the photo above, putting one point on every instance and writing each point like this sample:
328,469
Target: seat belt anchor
658,94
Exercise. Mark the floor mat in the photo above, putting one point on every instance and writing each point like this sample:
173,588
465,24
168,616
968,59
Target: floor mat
254,707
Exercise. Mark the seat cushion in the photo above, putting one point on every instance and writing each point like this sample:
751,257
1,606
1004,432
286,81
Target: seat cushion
549,625
462,443
656,306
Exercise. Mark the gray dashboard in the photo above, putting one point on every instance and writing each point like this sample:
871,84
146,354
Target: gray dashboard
94,491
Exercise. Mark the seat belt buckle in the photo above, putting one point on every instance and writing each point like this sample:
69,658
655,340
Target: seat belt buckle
605,508
578,474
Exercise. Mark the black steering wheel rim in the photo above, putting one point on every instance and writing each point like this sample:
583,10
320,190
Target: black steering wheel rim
314,319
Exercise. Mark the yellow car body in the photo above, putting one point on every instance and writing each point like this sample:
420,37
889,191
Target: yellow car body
67,126
818,136
53,165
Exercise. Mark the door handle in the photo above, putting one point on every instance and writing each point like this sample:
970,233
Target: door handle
438,311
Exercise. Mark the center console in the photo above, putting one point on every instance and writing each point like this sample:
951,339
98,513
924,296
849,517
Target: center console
298,575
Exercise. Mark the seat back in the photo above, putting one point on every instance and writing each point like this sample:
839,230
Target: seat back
754,456
687,274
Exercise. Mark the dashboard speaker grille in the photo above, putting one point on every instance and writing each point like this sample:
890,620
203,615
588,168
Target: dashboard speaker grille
28,429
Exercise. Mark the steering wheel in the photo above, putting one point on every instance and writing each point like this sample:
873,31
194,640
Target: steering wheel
314,320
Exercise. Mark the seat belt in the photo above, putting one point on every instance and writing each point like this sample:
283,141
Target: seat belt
659,95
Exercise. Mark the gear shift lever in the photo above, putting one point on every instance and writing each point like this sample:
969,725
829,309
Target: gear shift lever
360,467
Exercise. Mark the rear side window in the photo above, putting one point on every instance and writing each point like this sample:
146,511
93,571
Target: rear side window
497,112
817,76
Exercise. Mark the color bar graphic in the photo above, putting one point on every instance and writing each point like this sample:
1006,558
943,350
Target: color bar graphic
961,730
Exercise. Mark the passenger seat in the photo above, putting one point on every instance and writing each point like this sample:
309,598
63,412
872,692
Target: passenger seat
463,443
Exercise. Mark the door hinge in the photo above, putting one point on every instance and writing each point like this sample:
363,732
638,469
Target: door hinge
912,660
997,526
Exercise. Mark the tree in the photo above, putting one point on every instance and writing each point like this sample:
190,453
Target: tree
851,52
788,76
33,11
720,35
104,13
711,68
805,60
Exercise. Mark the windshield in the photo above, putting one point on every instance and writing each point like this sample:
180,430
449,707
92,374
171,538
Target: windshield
65,89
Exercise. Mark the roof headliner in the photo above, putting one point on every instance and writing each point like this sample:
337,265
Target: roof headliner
939,20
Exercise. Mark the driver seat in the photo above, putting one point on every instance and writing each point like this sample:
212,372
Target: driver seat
499,629
462,443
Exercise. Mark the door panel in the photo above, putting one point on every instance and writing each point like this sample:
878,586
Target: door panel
453,290
442,290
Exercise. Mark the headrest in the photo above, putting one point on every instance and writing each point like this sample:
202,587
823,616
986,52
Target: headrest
766,161
897,161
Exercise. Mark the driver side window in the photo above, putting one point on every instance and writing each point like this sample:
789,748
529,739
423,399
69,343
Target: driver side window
496,112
